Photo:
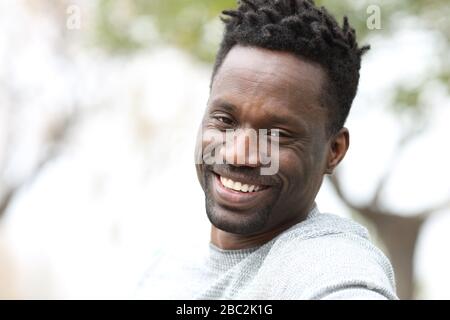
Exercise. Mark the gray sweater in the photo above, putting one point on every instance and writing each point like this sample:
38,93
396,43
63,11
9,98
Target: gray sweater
323,257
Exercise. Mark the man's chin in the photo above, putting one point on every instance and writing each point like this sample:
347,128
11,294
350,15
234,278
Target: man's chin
236,212
237,222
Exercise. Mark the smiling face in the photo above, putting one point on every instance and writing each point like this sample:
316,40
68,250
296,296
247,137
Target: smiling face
263,89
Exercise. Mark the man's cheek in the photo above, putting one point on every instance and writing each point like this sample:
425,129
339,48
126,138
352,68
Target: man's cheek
211,141
295,173
199,168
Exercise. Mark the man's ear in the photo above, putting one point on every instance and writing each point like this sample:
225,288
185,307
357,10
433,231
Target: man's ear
339,144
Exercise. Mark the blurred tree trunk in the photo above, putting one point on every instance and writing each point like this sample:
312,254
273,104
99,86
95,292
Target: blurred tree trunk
59,127
398,233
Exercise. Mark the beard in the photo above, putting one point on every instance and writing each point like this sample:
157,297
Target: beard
243,223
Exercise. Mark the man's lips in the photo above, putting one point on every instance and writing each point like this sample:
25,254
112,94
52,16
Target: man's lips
240,185
238,195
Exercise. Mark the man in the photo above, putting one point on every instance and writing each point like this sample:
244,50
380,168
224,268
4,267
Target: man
286,67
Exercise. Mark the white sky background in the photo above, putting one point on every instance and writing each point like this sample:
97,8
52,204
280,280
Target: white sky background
125,188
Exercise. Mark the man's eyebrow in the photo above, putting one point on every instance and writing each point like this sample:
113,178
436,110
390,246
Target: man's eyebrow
281,119
222,104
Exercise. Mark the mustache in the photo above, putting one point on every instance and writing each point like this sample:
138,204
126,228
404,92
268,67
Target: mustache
245,174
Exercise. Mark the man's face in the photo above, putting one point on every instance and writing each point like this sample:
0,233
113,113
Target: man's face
261,89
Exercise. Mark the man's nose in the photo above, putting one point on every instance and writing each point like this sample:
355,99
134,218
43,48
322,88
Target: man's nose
241,148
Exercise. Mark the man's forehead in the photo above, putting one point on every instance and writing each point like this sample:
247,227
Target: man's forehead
263,67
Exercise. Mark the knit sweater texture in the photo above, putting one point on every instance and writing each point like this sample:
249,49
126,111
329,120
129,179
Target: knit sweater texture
323,257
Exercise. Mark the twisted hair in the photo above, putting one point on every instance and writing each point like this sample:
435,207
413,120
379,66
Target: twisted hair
307,31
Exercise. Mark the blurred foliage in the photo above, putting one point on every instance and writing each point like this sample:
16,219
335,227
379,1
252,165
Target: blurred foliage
407,98
187,23
194,26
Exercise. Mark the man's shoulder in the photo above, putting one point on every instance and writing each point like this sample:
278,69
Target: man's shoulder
323,227
325,224
328,250
327,237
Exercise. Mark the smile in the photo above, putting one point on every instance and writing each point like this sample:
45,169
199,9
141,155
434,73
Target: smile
239,186
240,195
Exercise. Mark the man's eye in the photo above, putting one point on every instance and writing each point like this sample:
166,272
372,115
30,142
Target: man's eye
224,120
273,133
277,133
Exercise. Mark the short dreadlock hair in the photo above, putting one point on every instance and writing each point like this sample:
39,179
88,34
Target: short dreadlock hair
309,32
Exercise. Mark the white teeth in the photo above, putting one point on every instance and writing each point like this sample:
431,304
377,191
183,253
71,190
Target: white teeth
238,186
227,182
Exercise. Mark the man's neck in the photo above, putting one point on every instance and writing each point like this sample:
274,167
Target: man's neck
232,241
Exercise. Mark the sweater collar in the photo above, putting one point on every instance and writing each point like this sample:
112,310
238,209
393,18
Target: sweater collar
221,259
